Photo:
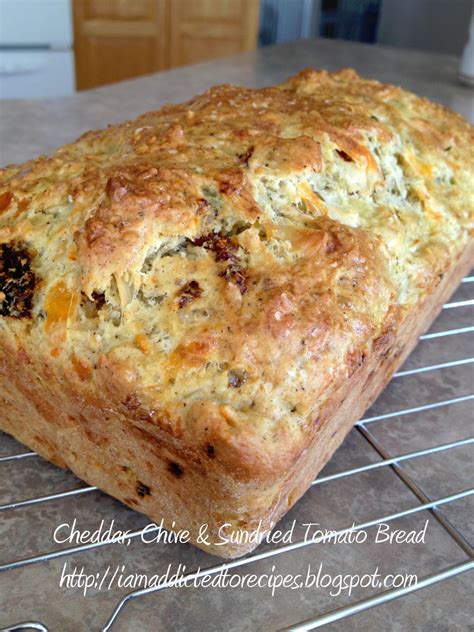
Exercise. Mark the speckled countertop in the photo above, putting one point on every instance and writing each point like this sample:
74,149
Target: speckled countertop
31,592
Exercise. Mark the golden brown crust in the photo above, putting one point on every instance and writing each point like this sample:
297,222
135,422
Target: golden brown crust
202,283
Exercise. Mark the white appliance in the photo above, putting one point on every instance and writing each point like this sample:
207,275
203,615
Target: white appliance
36,56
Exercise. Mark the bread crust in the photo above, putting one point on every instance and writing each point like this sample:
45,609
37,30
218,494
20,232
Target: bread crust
197,305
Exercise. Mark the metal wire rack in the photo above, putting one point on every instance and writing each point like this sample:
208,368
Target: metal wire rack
363,427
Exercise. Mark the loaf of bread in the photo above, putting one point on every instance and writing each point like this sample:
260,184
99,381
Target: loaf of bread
197,305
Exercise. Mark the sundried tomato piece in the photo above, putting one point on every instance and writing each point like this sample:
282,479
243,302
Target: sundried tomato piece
17,281
188,293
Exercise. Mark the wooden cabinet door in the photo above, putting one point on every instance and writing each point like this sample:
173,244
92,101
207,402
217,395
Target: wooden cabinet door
207,29
119,39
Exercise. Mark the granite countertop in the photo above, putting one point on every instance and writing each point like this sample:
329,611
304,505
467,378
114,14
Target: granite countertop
403,420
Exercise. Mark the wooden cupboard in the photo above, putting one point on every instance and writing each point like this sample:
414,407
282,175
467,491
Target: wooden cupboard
120,39
207,29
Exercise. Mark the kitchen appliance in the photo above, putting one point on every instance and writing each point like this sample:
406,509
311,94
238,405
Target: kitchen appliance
36,49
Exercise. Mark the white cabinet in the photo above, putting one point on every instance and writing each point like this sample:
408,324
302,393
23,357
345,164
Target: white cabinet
36,56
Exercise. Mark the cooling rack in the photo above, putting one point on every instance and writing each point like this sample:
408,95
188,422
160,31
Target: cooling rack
422,499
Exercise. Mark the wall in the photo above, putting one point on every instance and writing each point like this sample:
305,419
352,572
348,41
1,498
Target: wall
440,26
